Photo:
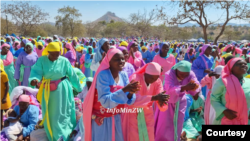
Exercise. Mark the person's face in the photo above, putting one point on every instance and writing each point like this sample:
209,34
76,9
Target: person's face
213,53
22,44
149,79
106,46
54,38
117,62
39,38
182,75
90,50
33,42
23,105
88,84
142,44
87,44
8,40
91,40
143,50
157,49
135,47
113,43
240,68
196,96
244,51
5,49
40,47
16,44
94,44
2,42
53,55
49,40
126,55
28,49
191,51
229,49
208,51
74,42
165,49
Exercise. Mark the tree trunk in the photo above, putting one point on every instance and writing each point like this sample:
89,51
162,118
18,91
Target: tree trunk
205,34
221,32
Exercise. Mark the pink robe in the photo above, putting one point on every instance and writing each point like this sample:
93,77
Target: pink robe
143,100
166,64
137,62
39,52
164,121
82,60
209,112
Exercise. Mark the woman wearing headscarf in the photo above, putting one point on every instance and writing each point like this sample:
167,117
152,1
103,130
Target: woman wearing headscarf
24,63
88,60
16,45
233,50
180,80
28,116
165,59
102,48
110,89
124,44
39,49
209,81
146,55
20,50
5,96
7,59
9,42
190,55
230,95
58,78
128,68
155,52
203,65
34,42
71,54
139,126
79,53
135,57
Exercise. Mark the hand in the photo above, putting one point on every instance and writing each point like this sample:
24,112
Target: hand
27,138
230,114
212,74
199,109
189,86
207,71
34,82
91,57
4,100
161,98
20,138
73,133
183,136
132,87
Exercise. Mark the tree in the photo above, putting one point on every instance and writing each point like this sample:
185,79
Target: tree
12,28
24,15
68,21
196,11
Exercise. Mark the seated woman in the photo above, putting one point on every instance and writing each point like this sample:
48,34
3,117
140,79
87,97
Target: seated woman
110,89
230,90
28,116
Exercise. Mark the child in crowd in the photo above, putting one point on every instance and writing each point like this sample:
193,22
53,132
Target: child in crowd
181,56
85,90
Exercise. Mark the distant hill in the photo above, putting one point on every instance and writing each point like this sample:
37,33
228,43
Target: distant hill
108,17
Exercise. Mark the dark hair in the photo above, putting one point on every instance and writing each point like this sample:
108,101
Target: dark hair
229,58
180,52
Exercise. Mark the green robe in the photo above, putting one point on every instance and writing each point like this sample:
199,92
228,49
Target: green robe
61,105
218,100
10,71
197,118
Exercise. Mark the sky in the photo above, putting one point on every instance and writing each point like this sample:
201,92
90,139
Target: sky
92,10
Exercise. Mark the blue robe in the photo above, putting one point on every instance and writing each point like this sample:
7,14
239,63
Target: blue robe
11,48
20,50
146,55
88,72
110,100
29,119
198,67
190,57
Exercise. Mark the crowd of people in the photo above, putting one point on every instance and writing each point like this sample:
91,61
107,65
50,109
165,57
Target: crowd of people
62,89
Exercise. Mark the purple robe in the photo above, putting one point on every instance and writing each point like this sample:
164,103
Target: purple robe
129,69
28,60
70,57
164,121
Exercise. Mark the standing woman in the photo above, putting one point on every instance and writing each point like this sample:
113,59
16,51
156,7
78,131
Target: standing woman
7,58
128,68
146,55
203,65
109,89
24,63
5,96
58,105
179,81
39,49
102,48
88,60
135,57
190,55
137,126
71,54
165,59
230,95
23,43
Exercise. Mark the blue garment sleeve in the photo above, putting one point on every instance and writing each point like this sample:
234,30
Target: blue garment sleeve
107,98
33,114
87,58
